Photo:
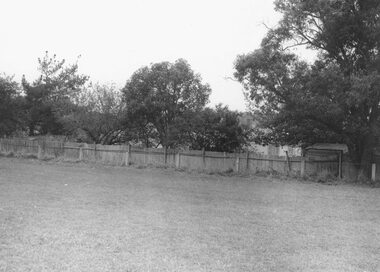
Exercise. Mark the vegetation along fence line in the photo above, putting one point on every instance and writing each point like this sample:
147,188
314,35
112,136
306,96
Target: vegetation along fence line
187,159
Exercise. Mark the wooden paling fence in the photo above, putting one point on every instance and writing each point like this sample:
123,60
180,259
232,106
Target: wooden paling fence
124,155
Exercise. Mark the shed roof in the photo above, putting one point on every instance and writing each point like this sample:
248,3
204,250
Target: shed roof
328,147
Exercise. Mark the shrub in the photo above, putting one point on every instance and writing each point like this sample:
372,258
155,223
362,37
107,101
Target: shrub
324,176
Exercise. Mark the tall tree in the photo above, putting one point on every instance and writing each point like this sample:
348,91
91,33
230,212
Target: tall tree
99,113
52,95
159,94
337,98
11,114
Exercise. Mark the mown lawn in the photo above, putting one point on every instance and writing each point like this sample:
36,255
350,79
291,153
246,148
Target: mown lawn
87,217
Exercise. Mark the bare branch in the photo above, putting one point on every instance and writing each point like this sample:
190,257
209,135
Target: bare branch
230,78
267,27
294,45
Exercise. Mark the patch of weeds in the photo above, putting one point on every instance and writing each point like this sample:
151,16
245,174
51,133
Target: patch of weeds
268,174
324,176
69,160
141,167
348,180
29,156
160,166
228,172
293,174
275,174
362,178
288,176
18,155
47,158
23,155
308,178
8,154
262,174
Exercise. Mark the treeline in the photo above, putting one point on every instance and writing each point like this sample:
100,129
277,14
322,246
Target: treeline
335,98
163,104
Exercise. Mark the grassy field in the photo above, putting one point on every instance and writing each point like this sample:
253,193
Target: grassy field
78,217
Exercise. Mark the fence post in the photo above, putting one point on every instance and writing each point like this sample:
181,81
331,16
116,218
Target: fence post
237,162
288,161
62,148
80,154
302,167
166,154
247,158
178,160
39,153
340,168
128,156
224,161
204,158
373,175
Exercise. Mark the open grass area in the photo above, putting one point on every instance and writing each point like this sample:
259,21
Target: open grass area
87,217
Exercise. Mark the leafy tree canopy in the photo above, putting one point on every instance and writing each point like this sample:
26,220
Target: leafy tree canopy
99,114
11,114
334,99
216,129
157,96
52,95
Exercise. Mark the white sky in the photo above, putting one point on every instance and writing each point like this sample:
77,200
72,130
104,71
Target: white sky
115,38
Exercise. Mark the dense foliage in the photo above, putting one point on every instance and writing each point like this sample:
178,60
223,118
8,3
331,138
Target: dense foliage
217,129
334,99
52,95
159,96
97,116
161,105
11,106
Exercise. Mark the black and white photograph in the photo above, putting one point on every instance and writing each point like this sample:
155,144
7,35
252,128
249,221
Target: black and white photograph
194,136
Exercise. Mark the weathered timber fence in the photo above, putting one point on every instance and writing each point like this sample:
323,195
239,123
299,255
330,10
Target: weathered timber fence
187,159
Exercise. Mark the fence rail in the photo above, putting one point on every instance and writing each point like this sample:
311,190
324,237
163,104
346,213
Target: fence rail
190,159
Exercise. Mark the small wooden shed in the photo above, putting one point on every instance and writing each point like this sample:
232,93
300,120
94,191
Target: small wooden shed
327,151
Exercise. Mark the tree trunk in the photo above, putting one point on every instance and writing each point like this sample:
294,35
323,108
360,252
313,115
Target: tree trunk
363,155
365,161
31,130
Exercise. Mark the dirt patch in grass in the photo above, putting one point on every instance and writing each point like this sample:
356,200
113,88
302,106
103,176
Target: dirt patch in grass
87,217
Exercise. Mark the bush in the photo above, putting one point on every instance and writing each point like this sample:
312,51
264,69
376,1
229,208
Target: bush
7,154
324,176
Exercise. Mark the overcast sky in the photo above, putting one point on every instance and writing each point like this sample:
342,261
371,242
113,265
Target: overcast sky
115,38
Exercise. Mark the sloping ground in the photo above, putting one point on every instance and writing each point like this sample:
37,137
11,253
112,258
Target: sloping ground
83,217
